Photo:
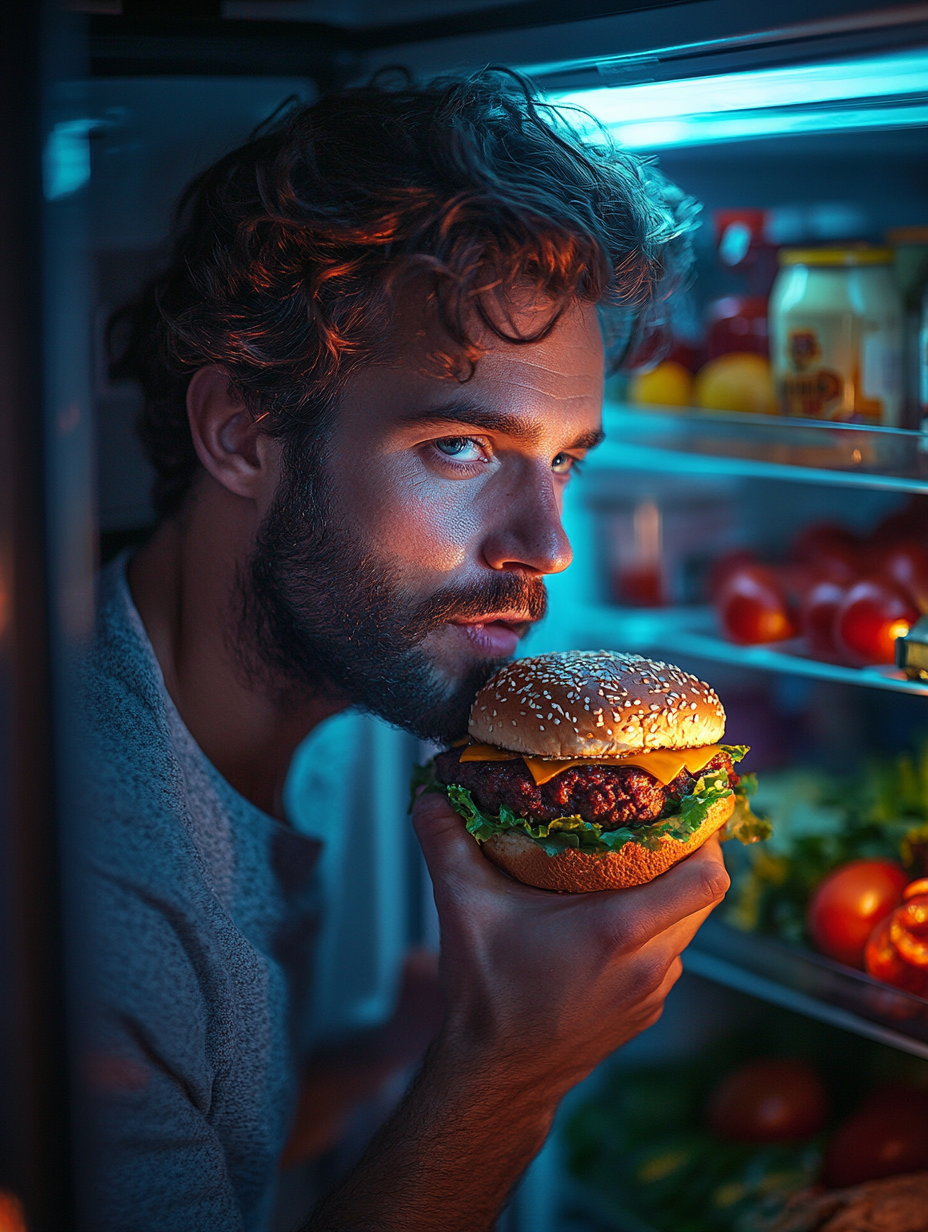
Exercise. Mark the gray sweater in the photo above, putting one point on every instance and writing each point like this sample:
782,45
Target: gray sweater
205,912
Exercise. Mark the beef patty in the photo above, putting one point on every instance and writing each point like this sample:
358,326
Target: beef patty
610,796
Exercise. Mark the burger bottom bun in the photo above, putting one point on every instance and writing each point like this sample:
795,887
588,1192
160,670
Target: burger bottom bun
578,872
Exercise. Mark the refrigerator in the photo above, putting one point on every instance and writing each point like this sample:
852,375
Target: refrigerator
804,124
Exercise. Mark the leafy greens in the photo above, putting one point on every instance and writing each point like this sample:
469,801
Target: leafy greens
556,836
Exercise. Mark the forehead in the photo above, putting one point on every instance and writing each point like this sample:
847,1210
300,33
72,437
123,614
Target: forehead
564,367
552,384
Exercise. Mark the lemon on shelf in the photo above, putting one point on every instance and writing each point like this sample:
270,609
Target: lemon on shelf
669,384
739,381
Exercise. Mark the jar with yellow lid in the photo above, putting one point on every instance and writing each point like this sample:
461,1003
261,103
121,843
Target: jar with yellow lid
836,335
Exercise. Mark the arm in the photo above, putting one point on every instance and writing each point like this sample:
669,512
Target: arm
539,989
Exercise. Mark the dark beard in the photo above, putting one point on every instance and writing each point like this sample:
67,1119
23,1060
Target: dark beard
322,616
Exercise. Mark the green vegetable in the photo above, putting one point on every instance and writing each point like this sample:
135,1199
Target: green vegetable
822,821
744,824
638,1143
556,836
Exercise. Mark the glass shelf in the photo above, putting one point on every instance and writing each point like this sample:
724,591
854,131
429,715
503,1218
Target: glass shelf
763,446
694,632
799,980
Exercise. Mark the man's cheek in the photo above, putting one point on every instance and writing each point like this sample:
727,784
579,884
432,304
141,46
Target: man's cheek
426,534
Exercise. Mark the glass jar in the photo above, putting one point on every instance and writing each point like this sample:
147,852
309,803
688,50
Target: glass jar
910,245
923,362
836,335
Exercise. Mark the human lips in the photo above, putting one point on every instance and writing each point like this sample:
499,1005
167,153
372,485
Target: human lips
496,635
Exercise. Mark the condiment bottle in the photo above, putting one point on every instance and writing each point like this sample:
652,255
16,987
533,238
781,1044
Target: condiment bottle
910,245
836,335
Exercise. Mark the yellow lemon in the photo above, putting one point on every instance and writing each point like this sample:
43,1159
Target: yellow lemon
736,382
669,384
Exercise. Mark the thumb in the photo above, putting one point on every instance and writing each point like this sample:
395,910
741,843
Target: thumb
448,848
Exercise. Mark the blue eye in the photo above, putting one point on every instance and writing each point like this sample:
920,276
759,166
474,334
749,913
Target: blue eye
461,448
565,464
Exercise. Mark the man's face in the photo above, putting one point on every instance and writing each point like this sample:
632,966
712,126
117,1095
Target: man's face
406,565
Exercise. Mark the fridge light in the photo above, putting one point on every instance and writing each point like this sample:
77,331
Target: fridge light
802,98
704,129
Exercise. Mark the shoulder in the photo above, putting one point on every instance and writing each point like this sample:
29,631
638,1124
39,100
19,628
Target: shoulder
119,677
135,790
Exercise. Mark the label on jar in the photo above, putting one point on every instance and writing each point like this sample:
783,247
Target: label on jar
836,344
834,373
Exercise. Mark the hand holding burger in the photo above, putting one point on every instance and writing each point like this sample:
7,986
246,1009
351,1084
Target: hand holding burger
593,770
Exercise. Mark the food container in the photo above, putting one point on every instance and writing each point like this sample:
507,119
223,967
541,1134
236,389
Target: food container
836,335
910,245
658,542
922,362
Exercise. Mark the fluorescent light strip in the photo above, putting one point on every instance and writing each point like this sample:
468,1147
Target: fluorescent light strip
624,107
703,130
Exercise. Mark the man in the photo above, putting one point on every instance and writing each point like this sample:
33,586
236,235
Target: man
370,367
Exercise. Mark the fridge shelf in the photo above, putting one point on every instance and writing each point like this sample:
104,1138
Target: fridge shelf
672,439
584,1210
693,631
800,980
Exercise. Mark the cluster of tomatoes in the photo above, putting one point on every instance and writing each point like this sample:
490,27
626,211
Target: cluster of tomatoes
869,915
848,597
783,1099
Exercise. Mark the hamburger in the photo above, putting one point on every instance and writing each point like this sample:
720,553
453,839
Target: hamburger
593,770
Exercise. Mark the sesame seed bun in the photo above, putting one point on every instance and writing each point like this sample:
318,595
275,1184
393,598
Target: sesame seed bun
578,872
595,703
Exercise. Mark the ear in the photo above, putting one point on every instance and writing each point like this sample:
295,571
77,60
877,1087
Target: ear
229,444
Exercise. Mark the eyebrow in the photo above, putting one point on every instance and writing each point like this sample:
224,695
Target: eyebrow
472,415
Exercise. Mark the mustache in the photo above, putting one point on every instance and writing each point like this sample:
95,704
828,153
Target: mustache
497,593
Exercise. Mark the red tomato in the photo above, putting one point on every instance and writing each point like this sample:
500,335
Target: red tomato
796,581
888,1136
774,1100
908,930
883,961
817,615
907,565
721,569
847,905
908,523
873,614
752,606
833,550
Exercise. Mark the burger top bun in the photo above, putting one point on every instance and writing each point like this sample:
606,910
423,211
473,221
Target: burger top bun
595,703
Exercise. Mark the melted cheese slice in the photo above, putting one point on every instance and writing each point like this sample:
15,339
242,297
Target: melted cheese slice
664,764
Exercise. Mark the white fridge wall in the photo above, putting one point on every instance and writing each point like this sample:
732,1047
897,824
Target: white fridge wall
349,787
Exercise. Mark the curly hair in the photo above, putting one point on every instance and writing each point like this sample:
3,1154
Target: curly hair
289,251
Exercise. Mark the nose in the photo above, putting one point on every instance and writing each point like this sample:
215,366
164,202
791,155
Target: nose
527,533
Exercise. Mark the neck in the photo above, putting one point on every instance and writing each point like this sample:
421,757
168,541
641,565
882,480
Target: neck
183,582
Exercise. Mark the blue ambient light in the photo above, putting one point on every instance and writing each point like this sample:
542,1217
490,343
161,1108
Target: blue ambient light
66,158
889,91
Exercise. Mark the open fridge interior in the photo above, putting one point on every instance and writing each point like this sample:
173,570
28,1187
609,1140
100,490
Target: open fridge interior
688,477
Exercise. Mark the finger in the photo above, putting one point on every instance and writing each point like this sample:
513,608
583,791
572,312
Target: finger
674,971
653,1005
450,852
675,939
697,884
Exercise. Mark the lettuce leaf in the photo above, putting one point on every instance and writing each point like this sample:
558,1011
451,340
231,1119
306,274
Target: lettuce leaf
744,824
556,836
